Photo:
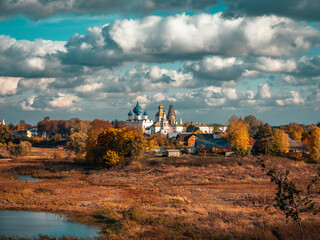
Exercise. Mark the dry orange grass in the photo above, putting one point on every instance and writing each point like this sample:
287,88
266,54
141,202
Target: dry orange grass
192,197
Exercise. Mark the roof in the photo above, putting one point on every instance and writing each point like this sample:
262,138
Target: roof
192,128
184,137
173,150
137,109
204,136
130,113
145,113
296,144
213,143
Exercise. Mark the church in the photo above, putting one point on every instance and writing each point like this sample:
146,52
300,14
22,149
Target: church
163,124
139,118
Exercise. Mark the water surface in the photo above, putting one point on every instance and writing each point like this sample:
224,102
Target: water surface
28,178
31,224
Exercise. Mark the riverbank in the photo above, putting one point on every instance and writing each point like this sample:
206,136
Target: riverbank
155,197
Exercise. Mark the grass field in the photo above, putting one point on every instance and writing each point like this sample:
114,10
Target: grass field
193,197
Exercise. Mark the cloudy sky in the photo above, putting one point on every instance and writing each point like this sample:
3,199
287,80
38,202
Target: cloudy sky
211,59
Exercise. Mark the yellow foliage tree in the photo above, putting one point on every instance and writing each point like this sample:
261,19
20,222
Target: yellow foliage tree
281,141
114,144
295,131
314,144
21,127
237,134
198,132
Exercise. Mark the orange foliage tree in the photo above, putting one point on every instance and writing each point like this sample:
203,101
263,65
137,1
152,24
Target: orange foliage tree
21,127
237,134
97,127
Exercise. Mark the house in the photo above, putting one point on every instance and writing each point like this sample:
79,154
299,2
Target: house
173,153
214,145
297,146
22,134
187,139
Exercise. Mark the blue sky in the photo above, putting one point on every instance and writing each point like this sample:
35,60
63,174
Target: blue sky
211,59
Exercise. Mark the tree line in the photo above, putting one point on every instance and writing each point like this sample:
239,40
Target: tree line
268,140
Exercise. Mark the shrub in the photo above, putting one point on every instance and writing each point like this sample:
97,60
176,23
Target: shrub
244,152
110,158
57,155
77,142
21,149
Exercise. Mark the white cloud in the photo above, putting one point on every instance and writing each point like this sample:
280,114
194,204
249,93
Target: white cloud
272,65
64,101
295,99
8,85
264,91
88,87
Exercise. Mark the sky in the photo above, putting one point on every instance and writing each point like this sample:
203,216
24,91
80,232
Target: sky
211,59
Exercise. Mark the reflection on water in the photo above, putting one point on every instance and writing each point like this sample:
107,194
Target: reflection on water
28,178
31,224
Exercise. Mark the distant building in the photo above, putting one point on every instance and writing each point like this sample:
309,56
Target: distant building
34,132
2,123
139,118
213,145
22,134
297,146
161,125
173,153
171,116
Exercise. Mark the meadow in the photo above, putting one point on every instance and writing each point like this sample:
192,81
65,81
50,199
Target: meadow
154,197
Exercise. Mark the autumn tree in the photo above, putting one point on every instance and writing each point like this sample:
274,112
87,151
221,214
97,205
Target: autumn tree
281,142
5,134
97,127
115,144
314,144
237,134
295,131
187,124
21,127
77,142
264,140
254,124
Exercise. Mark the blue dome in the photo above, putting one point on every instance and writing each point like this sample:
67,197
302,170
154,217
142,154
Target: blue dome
130,113
145,113
137,109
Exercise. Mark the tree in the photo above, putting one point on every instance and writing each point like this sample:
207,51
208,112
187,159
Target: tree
237,134
77,142
21,149
121,142
21,127
187,124
281,142
314,144
120,124
5,134
291,200
254,124
264,140
97,127
295,131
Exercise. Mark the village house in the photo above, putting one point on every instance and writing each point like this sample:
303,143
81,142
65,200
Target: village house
22,134
213,145
297,146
